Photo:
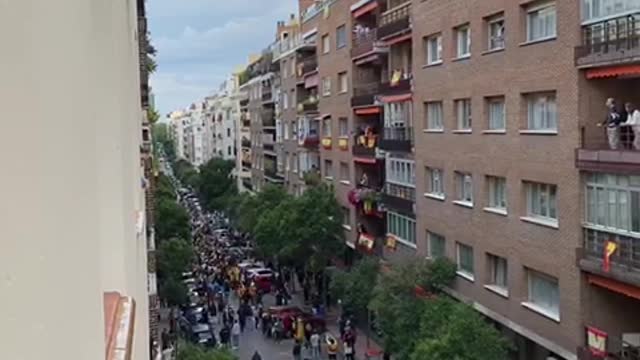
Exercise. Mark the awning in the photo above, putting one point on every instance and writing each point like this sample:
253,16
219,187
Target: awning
362,160
396,98
373,56
324,116
614,286
365,9
613,71
398,39
372,110
312,81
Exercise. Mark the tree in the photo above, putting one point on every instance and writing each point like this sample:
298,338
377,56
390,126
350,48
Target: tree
174,291
217,186
254,207
186,173
453,330
173,257
355,287
172,220
189,351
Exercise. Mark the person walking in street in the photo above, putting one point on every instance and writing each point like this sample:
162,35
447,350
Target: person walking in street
348,351
315,345
224,335
256,356
297,349
332,347
235,334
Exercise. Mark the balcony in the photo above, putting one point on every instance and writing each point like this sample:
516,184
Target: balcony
399,198
246,182
397,139
309,105
366,42
395,21
365,145
307,66
273,176
596,154
244,103
625,261
309,141
267,95
610,42
365,94
401,86
268,118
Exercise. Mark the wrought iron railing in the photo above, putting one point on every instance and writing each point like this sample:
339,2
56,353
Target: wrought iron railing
395,21
613,40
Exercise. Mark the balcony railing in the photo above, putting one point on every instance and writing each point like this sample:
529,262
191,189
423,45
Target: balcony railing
365,145
399,197
307,66
365,94
627,255
310,141
395,21
268,118
397,139
401,86
267,95
613,41
364,41
309,105
597,154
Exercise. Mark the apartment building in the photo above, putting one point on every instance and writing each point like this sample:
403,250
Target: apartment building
224,111
75,238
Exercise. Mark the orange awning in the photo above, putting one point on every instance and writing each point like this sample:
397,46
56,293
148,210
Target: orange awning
398,39
396,98
372,110
362,160
615,286
613,71
365,9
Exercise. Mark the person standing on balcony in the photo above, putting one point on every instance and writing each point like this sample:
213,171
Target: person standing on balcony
612,124
633,120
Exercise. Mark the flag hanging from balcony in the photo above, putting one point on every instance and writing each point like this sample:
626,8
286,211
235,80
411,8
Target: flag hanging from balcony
610,248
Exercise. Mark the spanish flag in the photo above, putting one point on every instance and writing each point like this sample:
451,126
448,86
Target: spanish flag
610,247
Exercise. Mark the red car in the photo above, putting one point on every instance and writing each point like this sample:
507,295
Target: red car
288,314
262,278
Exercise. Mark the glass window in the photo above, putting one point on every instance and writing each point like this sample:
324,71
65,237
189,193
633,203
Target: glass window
326,127
544,292
497,192
541,110
433,48
285,101
499,272
326,44
541,22
541,201
328,169
465,187
604,9
433,111
496,33
436,245
343,82
496,111
463,36
344,171
346,216
464,254
401,172
343,127
341,37
402,227
613,202
463,114
326,86
435,182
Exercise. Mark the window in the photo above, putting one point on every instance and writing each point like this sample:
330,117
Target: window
344,172
402,228
433,111
285,101
433,48
328,169
228,150
497,192
293,69
464,183
326,86
541,22
495,33
346,217
294,129
228,132
326,44
613,202
495,108
464,257
498,274
541,201
435,184
463,114
326,127
342,82
544,295
284,68
397,114
436,245
341,37
541,111
599,9
294,159
401,172
463,41
343,127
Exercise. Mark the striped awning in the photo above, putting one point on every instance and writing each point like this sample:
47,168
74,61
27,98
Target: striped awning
396,98
363,160
365,9
398,39
615,286
370,110
613,71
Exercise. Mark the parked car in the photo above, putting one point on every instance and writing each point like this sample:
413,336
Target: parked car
202,334
289,314
262,277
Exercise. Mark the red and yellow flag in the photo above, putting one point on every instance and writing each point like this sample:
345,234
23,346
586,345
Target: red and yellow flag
610,248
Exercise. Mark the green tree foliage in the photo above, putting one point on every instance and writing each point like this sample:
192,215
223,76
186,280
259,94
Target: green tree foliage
173,258
173,290
217,187
189,351
186,173
355,287
254,207
453,330
172,220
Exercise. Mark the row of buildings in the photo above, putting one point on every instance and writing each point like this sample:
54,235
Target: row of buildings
471,130
466,129
78,254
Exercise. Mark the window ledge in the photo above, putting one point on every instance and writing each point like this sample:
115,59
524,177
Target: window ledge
465,275
497,211
539,132
345,182
346,227
542,311
434,196
548,223
433,131
466,204
461,58
406,243
343,92
498,290
496,131
492,51
436,63
462,131
536,41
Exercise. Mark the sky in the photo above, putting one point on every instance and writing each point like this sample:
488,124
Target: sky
200,42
